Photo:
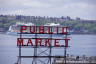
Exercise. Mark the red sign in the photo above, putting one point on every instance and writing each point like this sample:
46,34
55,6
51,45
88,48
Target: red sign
44,29
43,41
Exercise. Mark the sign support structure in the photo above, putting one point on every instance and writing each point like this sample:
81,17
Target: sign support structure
43,54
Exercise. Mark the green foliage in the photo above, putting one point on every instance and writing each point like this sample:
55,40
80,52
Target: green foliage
75,25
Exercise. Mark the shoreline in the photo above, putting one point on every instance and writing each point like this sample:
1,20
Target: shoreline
70,34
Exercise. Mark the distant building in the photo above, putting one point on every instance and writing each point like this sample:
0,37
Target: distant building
52,24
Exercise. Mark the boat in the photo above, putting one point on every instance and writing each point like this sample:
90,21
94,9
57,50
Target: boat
15,29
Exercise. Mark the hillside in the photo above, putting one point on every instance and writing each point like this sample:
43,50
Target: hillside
78,26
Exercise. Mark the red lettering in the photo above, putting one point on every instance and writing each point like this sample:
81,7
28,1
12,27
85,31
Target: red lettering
29,42
56,43
50,30
20,41
23,28
47,42
38,42
41,29
32,29
64,30
66,42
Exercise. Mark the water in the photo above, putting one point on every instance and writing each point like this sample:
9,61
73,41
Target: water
79,45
